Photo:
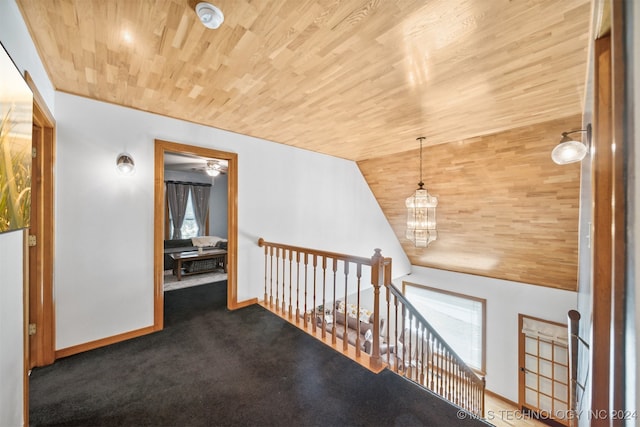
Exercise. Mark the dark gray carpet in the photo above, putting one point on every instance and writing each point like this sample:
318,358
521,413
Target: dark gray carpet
213,367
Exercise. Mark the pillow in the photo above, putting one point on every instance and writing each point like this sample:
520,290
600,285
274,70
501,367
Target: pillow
364,316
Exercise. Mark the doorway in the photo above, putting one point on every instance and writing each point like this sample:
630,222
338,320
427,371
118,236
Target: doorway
543,386
198,189
162,148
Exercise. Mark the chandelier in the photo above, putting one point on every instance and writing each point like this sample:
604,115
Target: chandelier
421,213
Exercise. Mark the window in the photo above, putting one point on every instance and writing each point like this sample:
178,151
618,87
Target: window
459,319
189,226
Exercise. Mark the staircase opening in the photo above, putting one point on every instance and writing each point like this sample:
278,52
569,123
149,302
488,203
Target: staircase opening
349,303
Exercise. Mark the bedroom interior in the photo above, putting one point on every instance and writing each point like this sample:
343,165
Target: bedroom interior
514,228
198,172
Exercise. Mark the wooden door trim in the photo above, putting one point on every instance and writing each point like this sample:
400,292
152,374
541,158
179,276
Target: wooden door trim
42,284
601,228
161,147
44,310
620,147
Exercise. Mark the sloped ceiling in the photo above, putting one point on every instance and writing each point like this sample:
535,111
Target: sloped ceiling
489,83
505,210
355,79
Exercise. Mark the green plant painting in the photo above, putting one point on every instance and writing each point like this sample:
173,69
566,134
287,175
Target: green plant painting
16,115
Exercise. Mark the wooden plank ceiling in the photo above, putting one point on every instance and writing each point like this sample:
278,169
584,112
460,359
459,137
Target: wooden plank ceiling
357,79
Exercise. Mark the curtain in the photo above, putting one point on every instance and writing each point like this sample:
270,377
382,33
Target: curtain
200,199
177,196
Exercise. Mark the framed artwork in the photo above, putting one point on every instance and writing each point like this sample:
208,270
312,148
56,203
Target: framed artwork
16,117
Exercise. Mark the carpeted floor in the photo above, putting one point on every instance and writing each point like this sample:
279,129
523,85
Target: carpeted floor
213,367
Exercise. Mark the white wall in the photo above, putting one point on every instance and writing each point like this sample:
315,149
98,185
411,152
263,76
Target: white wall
11,329
15,39
505,300
104,221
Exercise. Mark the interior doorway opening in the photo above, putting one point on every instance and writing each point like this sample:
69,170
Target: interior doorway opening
163,148
195,218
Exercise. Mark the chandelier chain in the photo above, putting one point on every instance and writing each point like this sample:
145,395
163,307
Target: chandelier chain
421,183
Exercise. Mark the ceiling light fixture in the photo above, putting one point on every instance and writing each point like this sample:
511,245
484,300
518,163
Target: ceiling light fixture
125,164
569,150
212,168
421,213
210,16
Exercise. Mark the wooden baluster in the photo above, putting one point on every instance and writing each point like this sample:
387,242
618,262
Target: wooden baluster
449,370
306,274
297,286
454,377
440,372
359,276
406,356
397,347
290,283
422,353
314,316
265,273
412,358
271,277
324,295
456,384
433,362
277,279
345,340
484,387
333,306
466,392
386,324
474,398
284,275
445,372
429,360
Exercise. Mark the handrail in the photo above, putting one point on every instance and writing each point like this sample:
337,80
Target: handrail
327,254
431,362
415,313
435,364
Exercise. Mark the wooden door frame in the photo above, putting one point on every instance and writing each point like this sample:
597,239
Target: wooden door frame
610,256
41,310
162,147
39,349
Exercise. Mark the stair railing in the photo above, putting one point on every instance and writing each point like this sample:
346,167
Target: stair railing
299,282
296,286
416,351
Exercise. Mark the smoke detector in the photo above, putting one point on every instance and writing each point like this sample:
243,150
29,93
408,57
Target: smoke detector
210,16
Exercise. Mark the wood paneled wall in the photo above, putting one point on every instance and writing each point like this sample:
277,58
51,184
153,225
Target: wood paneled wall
505,209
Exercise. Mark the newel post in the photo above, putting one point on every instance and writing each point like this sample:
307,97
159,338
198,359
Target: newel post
377,280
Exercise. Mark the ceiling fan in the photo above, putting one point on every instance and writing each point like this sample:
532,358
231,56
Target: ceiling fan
187,163
214,168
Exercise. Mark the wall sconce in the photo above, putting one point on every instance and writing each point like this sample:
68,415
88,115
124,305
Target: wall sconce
569,150
421,213
125,164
